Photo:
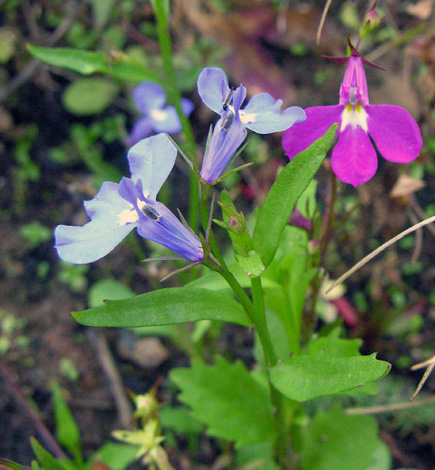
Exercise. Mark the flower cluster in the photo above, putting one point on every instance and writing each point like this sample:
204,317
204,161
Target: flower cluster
119,208
395,133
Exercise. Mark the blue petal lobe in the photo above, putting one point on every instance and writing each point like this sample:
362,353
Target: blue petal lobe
166,120
142,128
148,96
213,88
223,145
170,232
263,115
109,214
151,160
92,241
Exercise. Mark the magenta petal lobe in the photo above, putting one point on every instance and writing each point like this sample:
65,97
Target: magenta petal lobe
354,159
301,135
395,133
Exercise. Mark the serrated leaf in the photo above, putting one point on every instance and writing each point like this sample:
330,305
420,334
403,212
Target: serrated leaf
306,377
165,307
228,400
285,192
87,96
335,440
335,346
119,66
46,460
67,432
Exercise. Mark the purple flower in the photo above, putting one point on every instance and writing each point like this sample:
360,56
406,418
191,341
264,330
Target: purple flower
150,100
262,114
395,133
119,208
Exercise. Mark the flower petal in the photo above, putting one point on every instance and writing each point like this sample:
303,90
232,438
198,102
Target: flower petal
396,134
213,88
151,160
170,232
187,106
148,96
223,145
165,120
263,115
354,159
112,219
302,135
141,129
92,241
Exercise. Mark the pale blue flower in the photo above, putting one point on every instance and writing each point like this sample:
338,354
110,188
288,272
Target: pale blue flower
119,208
262,114
150,99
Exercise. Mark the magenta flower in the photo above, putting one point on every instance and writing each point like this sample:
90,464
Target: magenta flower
393,130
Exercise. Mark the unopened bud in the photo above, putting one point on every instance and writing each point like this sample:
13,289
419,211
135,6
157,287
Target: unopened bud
235,225
371,22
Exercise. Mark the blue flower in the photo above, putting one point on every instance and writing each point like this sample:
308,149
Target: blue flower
119,208
150,99
262,114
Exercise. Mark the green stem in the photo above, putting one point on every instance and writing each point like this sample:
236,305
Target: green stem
161,11
205,193
256,313
282,444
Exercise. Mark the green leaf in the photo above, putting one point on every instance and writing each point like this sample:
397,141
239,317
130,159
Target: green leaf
251,264
116,456
118,65
46,460
256,457
87,96
306,377
335,440
228,400
11,464
285,192
180,420
67,432
108,289
165,307
335,346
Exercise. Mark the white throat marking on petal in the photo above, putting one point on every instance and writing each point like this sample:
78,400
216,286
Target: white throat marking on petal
354,116
247,118
158,114
127,216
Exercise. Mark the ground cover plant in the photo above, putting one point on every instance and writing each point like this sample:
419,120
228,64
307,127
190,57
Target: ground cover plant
234,345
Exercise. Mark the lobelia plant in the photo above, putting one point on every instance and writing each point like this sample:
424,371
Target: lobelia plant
267,280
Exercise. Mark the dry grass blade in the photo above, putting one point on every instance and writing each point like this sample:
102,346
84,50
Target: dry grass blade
374,253
322,21
431,363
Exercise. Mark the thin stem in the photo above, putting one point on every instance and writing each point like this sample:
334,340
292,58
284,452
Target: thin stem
260,321
205,192
282,445
174,95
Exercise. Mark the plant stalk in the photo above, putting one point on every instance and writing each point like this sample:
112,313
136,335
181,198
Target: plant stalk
161,11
